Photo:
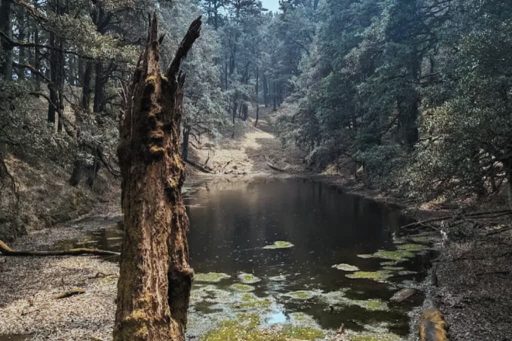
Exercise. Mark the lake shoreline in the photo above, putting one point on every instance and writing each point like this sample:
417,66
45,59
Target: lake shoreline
483,276
482,273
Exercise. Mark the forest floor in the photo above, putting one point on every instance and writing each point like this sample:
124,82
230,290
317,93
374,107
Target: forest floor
470,280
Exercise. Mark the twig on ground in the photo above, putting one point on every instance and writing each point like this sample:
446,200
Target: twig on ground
5,250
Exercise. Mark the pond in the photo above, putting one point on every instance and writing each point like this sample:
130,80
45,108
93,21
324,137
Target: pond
295,258
301,253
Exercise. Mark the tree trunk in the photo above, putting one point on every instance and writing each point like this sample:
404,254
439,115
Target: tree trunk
155,275
184,144
37,59
265,90
99,88
56,87
508,170
274,95
6,28
257,95
22,34
86,86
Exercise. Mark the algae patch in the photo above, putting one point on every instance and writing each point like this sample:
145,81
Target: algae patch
302,295
211,277
242,287
249,300
246,327
279,245
379,276
346,267
412,247
248,278
338,299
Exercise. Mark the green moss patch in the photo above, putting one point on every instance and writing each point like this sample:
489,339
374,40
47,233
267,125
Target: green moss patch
279,245
353,336
211,277
302,333
346,267
246,328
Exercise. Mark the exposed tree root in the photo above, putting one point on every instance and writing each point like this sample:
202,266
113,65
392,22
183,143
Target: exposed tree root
5,250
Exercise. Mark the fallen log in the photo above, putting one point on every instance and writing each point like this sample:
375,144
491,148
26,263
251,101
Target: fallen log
5,250
199,167
273,167
482,215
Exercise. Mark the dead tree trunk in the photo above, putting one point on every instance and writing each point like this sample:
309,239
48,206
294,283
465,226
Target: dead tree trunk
155,275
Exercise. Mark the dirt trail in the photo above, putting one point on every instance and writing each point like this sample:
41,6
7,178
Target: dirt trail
253,151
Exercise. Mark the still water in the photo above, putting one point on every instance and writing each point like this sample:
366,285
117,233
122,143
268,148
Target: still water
233,225
336,263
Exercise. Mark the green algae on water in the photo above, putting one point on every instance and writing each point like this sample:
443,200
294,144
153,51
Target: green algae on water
397,255
302,295
337,298
242,287
280,244
346,267
246,327
248,278
249,300
379,276
211,277
412,247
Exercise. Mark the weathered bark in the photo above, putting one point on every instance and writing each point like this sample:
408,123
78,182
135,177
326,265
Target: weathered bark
155,275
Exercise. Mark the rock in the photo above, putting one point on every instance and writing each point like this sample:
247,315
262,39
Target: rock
403,295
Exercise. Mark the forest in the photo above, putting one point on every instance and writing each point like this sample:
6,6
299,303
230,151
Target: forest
255,170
